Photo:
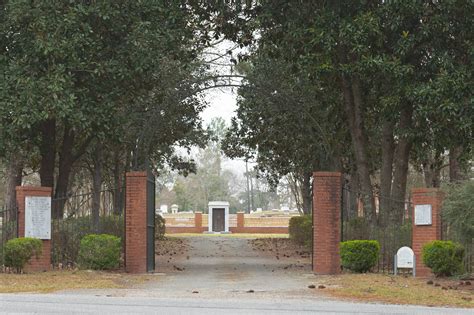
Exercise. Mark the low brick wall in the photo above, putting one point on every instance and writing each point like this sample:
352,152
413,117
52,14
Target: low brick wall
238,223
260,230
184,229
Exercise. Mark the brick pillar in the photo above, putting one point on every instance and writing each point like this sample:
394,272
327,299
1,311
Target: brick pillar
43,261
240,220
327,188
198,221
135,222
423,234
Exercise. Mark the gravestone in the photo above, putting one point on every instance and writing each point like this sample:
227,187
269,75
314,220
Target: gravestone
174,208
404,259
164,208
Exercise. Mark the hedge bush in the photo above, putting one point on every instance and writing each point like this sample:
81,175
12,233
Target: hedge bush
68,233
159,227
301,229
18,251
359,255
445,258
99,252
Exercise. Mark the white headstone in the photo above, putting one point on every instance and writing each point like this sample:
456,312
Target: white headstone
423,215
174,208
38,217
405,257
164,208
259,210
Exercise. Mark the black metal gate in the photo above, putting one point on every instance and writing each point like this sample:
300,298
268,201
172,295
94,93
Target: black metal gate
391,232
150,231
8,228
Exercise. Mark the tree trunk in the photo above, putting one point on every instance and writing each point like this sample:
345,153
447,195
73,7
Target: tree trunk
402,154
353,107
386,170
455,173
96,187
306,193
351,196
295,191
47,152
118,191
66,161
432,170
427,173
14,177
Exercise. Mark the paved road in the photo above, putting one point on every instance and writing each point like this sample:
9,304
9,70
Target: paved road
86,304
220,271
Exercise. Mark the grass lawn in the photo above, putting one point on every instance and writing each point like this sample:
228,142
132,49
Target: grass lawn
60,280
230,235
398,290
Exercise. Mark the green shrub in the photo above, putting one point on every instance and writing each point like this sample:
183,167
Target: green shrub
359,255
443,257
301,229
159,227
68,233
99,252
458,211
18,251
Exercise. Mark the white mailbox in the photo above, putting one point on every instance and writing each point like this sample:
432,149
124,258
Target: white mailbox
405,259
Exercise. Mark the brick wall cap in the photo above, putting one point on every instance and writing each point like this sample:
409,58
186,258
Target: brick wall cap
34,188
239,212
198,212
327,174
136,174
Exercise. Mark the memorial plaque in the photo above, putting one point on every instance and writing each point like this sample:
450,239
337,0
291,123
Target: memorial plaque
423,215
38,217
405,257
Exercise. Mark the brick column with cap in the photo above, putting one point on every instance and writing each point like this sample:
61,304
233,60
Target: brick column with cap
327,195
135,222
198,221
240,220
41,262
423,234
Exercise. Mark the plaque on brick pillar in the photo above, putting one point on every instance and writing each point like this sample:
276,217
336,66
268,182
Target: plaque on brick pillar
423,215
38,217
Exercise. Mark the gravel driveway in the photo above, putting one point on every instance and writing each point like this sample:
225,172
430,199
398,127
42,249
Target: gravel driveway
219,266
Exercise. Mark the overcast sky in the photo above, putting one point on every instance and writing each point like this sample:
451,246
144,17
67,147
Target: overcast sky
222,103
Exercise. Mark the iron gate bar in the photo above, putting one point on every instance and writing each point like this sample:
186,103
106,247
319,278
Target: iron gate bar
150,233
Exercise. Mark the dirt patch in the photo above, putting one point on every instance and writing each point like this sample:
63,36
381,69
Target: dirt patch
63,280
169,252
280,247
284,249
398,289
